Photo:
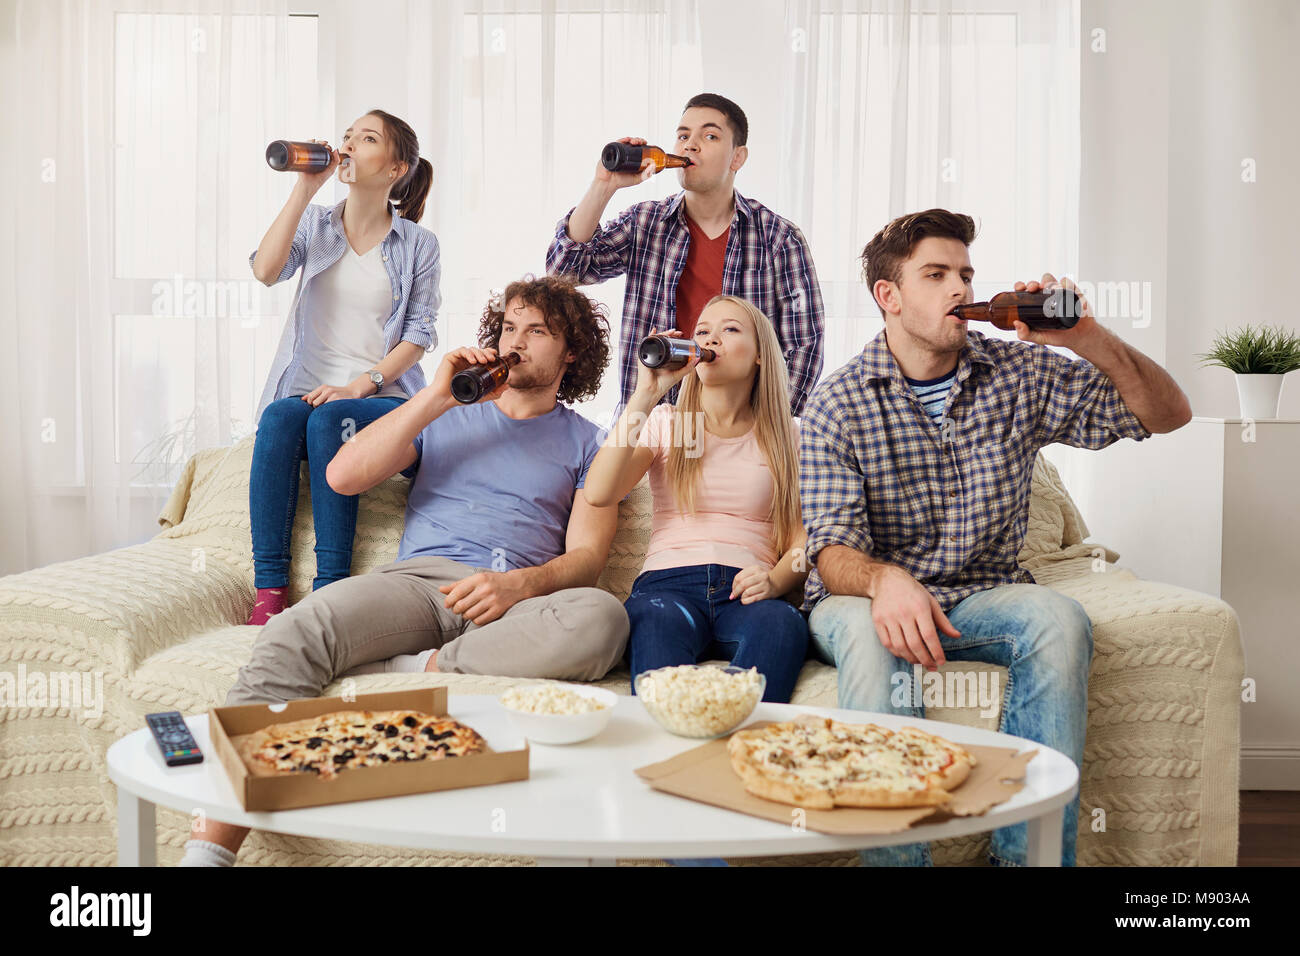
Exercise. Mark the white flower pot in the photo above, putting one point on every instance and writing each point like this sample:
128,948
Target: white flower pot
1260,395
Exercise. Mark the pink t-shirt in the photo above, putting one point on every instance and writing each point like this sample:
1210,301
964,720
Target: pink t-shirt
733,501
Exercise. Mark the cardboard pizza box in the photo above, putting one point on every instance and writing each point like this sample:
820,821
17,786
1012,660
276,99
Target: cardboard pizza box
360,783
705,774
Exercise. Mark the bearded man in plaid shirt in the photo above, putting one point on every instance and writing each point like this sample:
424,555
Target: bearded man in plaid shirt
915,466
707,240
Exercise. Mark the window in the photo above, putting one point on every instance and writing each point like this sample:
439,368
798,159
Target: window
192,94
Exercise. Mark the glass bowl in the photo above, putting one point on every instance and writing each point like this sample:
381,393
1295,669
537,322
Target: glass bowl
706,722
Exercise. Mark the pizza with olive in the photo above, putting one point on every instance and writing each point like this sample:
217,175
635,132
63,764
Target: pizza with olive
343,740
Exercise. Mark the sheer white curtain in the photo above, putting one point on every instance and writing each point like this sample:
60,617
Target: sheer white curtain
134,183
132,332
893,106
537,88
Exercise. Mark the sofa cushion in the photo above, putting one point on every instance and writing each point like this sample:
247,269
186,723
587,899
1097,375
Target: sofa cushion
210,501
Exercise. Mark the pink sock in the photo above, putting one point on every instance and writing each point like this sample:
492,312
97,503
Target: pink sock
268,603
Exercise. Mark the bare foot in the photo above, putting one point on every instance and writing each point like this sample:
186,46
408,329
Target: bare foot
432,666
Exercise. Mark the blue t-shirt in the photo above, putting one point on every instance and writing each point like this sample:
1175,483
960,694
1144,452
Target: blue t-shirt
493,492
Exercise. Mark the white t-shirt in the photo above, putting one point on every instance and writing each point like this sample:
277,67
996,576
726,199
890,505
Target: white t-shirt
347,307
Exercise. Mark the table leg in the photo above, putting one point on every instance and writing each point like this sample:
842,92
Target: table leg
1043,846
574,861
137,838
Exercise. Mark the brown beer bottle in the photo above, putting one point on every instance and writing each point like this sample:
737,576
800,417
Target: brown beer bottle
625,158
1057,309
289,156
665,351
471,384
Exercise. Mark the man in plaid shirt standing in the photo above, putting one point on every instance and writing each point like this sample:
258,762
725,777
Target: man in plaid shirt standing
915,466
707,240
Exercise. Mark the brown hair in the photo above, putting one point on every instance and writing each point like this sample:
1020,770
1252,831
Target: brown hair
567,312
884,255
769,398
736,118
408,193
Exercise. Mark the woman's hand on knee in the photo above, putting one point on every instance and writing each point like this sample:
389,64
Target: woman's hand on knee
329,393
752,584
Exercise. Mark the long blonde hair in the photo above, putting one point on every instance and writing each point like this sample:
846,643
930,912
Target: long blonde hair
769,399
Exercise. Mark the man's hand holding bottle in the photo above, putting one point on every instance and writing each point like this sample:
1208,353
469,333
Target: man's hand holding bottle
615,181
458,360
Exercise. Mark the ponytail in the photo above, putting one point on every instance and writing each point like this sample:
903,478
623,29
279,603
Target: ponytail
412,190
408,193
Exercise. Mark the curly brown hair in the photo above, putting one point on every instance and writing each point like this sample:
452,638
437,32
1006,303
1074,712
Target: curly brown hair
567,312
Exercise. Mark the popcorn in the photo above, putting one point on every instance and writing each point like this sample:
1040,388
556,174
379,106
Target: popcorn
549,699
696,701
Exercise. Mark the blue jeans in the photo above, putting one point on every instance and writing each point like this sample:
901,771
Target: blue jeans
1043,638
685,615
289,431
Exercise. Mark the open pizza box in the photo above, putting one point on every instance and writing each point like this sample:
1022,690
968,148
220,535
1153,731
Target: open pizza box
227,724
705,774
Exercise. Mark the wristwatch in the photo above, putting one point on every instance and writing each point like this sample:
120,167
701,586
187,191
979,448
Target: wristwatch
377,377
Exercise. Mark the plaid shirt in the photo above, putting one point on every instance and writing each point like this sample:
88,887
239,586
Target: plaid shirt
947,502
767,262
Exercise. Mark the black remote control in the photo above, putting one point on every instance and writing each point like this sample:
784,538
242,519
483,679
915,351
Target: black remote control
174,739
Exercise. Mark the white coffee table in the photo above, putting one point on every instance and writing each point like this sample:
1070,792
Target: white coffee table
582,804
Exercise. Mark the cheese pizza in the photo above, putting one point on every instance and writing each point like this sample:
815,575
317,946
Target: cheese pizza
819,763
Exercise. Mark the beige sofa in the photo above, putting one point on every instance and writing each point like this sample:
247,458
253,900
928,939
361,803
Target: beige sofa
161,622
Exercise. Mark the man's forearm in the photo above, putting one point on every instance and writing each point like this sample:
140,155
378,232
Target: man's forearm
1147,389
377,451
585,219
573,569
846,570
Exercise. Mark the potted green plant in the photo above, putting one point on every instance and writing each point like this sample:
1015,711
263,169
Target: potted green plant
1260,357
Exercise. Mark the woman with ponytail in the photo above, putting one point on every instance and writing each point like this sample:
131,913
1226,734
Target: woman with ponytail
362,318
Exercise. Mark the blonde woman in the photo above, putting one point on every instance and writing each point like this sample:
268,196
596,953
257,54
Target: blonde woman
727,539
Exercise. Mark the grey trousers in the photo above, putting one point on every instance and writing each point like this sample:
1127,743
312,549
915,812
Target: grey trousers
573,634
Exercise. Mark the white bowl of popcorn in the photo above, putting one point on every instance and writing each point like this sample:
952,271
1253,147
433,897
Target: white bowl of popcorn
559,713
700,700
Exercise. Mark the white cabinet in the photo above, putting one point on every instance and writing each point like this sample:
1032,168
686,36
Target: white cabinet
1215,507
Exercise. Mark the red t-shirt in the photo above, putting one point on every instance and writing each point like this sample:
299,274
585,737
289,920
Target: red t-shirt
701,278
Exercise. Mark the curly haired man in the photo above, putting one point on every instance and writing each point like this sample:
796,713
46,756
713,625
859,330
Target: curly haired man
496,571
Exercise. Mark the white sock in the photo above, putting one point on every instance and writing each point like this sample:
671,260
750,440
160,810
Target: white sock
203,853
410,663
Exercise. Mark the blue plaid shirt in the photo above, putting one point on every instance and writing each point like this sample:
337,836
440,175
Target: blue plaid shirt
947,502
767,262
414,264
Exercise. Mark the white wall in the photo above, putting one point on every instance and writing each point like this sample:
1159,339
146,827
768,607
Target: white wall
1182,94
739,54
